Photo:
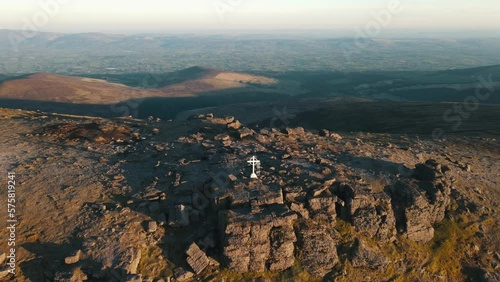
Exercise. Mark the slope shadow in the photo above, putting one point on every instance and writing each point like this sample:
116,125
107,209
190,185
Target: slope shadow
162,107
401,118
152,81
379,166
474,274
60,108
50,261
50,257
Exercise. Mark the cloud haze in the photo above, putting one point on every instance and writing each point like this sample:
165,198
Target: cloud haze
161,15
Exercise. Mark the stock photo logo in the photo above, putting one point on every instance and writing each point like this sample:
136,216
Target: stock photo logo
45,12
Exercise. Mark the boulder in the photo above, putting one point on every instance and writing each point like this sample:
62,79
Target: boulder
319,189
322,209
282,247
418,206
229,119
234,125
335,136
428,171
259,239
370,212
213,262
182,275
257,194
268,195
295,194
222,137
300,209
152,226
4,271
245,132
196,258
73,258
318,249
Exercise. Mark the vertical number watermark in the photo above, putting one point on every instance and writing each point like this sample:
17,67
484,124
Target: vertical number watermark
11,221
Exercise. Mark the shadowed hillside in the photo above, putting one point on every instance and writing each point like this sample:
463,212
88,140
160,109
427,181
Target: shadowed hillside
80,90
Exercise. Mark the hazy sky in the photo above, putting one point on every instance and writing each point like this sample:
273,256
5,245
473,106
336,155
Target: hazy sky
167,15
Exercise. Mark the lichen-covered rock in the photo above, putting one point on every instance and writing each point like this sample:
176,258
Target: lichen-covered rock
370,212
282,247
322,209
318,252
259,239
295,194
300,209
257,194
418,206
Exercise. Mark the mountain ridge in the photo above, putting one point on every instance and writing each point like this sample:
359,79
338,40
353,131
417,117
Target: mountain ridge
190,82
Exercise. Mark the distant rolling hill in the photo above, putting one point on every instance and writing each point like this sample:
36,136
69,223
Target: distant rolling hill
178,94
191,82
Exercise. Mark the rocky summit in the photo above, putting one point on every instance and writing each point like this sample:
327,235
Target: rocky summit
152,200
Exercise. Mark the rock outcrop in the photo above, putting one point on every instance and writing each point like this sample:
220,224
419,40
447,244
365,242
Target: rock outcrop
429,171
370,212
416,211
419,205
318,252
322,209
259,239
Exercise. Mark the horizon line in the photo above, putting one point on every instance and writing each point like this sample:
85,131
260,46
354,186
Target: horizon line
341,32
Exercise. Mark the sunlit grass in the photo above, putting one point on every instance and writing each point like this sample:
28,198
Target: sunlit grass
450,240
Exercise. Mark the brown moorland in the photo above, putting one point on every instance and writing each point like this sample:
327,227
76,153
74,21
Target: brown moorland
80,90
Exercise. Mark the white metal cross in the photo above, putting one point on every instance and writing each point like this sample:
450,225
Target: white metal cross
253,161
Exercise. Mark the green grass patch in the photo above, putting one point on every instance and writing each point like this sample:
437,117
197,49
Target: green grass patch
450,239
